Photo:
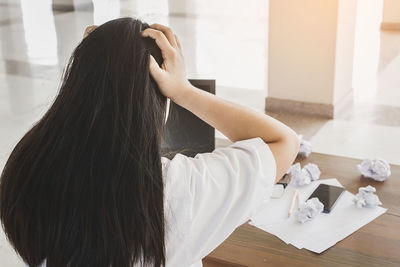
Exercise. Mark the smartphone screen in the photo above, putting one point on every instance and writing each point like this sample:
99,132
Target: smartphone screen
328,195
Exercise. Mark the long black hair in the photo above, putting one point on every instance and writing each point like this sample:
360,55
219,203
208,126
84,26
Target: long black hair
84,186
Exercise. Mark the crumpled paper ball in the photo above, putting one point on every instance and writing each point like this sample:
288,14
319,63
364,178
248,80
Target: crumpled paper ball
377,169
303,176
309,210
312,171
305,148
366,197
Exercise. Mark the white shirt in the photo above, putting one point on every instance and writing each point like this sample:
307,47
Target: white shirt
207,197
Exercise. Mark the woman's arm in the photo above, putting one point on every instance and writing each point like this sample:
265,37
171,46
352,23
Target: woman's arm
234,121
239,123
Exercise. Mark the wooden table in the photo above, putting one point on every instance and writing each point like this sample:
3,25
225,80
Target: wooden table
375,244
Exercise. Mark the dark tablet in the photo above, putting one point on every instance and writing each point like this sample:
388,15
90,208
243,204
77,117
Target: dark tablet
184,132
328,195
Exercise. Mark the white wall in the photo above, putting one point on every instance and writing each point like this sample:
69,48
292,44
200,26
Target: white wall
346,28
311,50
301,53
367,46
391,11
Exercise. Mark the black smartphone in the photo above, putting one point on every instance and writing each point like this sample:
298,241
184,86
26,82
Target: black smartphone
328,195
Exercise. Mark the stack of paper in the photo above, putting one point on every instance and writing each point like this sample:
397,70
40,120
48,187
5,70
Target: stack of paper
323,231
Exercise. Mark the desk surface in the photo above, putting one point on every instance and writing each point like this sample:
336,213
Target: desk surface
375,244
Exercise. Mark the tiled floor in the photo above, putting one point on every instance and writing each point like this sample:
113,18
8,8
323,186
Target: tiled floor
371,128
346,138
224,40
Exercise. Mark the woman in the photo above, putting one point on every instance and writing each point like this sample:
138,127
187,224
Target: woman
87,186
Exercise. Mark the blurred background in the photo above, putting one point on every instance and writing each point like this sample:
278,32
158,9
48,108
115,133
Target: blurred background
329,69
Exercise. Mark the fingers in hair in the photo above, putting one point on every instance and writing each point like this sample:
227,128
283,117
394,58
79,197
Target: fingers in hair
161,40
167,32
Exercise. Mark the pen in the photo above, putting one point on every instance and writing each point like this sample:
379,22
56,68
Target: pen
294,199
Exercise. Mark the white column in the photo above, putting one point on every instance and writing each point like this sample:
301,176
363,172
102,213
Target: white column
391,15
311,47
367,48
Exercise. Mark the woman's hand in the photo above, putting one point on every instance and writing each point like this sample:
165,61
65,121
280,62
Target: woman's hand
171,77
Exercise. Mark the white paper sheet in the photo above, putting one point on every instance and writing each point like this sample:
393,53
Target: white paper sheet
323,231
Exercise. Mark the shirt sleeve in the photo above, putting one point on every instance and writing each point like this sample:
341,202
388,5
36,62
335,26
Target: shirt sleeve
226,187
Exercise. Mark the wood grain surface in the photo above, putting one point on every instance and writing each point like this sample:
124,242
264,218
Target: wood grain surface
375,244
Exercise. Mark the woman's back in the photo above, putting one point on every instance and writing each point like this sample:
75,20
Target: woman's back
87,186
